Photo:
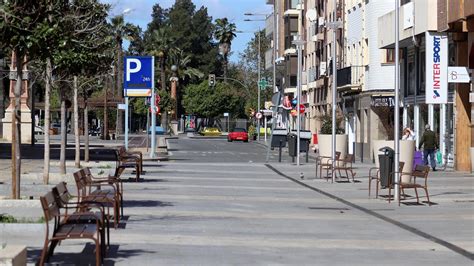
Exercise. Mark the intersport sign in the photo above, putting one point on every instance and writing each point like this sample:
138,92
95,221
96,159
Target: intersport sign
436,68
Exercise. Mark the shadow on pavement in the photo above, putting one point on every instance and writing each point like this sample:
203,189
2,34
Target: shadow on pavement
96,153
146,203
86,256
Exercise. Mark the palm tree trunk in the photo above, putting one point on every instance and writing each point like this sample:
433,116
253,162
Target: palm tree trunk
47,122
225,67
77,157
16,129
62,153
86,128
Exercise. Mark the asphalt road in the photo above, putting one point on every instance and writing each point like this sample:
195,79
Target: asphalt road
218,150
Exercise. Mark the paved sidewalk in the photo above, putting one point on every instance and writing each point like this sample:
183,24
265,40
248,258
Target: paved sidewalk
186,213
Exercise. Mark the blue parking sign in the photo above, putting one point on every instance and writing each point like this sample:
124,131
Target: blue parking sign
138,75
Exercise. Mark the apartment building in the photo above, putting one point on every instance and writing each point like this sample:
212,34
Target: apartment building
365,78
451,24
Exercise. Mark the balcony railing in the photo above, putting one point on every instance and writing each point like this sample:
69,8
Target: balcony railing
291,4
344,76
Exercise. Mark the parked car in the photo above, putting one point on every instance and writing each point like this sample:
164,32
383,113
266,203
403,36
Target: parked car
210,131
238,134
158,130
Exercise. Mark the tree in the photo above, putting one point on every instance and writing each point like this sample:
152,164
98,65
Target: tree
83,53
225,33
211,102
28,28
160,44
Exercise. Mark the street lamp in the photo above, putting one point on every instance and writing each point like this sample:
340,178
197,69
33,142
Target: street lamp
299,42
259,75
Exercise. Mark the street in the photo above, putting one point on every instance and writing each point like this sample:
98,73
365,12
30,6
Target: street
217,203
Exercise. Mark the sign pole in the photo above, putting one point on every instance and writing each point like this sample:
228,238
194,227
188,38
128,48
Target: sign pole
153,113
126,122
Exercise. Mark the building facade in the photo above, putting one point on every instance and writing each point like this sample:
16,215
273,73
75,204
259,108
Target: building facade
451,120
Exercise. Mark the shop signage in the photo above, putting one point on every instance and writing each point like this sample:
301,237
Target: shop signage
436,67
458,75
383,101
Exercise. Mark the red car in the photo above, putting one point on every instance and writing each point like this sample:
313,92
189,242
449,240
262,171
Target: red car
238,134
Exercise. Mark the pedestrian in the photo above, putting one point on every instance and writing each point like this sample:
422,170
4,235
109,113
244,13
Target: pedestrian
408,134
430,145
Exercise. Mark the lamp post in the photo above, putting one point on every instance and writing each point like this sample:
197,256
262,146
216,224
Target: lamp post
299,42
259,68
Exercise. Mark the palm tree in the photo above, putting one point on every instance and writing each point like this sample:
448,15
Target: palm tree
224,33
120,30
182,71
160,44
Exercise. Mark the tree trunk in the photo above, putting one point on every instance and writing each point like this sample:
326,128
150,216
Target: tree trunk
105,127
77,139
225,67
62,153
47,122
16,129
118,89
86,130
164,113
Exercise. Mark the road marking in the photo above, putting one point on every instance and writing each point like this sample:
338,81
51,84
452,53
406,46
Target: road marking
406,227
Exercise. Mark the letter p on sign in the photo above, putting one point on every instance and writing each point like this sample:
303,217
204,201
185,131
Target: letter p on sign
129,69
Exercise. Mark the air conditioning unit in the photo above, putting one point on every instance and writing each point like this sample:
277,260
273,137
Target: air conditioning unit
321,21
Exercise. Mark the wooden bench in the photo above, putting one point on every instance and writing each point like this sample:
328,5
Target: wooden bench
124,161
107,197
81,212
62,229
130,154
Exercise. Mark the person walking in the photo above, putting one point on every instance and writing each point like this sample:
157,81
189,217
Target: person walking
430,145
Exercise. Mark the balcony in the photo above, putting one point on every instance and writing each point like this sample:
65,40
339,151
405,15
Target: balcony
347,79
291,8
269,26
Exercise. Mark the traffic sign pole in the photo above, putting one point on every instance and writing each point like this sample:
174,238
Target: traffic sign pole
126,122
153,114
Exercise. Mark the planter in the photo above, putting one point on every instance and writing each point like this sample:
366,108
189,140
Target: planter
13,255
407,152
325,143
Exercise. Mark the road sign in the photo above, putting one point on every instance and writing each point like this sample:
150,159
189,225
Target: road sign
302,109
122,106
458,75
138,76
157,109
262,84
258,115
226,114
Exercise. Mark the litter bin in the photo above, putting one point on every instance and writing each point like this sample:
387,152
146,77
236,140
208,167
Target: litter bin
386,161
292,145
279,138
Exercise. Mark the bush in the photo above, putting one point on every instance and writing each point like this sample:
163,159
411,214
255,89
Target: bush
326,124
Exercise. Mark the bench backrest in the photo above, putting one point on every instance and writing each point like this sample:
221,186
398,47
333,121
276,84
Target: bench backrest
50,206
81,184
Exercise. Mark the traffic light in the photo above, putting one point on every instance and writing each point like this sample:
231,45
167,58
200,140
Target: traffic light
212,80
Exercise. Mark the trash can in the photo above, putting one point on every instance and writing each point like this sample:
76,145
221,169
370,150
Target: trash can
386,161
292,145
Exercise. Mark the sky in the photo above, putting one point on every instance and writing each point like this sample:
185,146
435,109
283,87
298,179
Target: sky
232,9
